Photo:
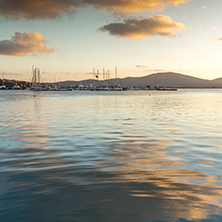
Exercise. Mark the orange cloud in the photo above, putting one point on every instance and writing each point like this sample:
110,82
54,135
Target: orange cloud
203,8
134,5
33,9
23,44
141,66
50,9
138,28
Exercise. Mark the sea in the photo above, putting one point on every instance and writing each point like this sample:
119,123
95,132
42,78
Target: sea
106,156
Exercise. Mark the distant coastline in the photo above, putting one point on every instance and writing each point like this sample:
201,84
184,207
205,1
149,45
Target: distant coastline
168,79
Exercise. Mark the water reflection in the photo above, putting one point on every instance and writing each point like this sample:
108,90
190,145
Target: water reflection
166,178
117,160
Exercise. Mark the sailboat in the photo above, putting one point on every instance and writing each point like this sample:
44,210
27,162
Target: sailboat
97,86
104,87
118,87
36,86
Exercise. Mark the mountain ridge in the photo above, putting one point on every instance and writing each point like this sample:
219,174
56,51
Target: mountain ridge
167,79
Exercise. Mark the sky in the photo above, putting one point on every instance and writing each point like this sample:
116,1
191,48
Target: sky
68,39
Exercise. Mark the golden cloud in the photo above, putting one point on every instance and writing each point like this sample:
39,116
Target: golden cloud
50,9
127,6
23,44
33,9
141,66
138,28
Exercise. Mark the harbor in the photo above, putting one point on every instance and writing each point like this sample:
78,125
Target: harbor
99,82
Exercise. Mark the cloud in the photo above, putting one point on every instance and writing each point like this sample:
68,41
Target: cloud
10,74
160,70
141,66
218,39
138,28
50,9
199,26
23,44
128,6
34,9
203,8
156,70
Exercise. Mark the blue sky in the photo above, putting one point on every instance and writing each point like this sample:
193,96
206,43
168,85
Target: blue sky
134,36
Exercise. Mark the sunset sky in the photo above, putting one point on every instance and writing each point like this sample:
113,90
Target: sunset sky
66,39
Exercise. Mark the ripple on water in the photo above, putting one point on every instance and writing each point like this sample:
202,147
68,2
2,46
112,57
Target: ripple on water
126,156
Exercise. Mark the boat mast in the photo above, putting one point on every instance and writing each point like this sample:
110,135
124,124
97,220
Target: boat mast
32,75
39,77
97,76
35,76
94,77
107,79
116,75
104,82
3,79
117,78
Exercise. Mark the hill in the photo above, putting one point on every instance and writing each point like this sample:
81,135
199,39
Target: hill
157,79
217,82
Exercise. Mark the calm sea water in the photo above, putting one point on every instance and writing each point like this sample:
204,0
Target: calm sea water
111,156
